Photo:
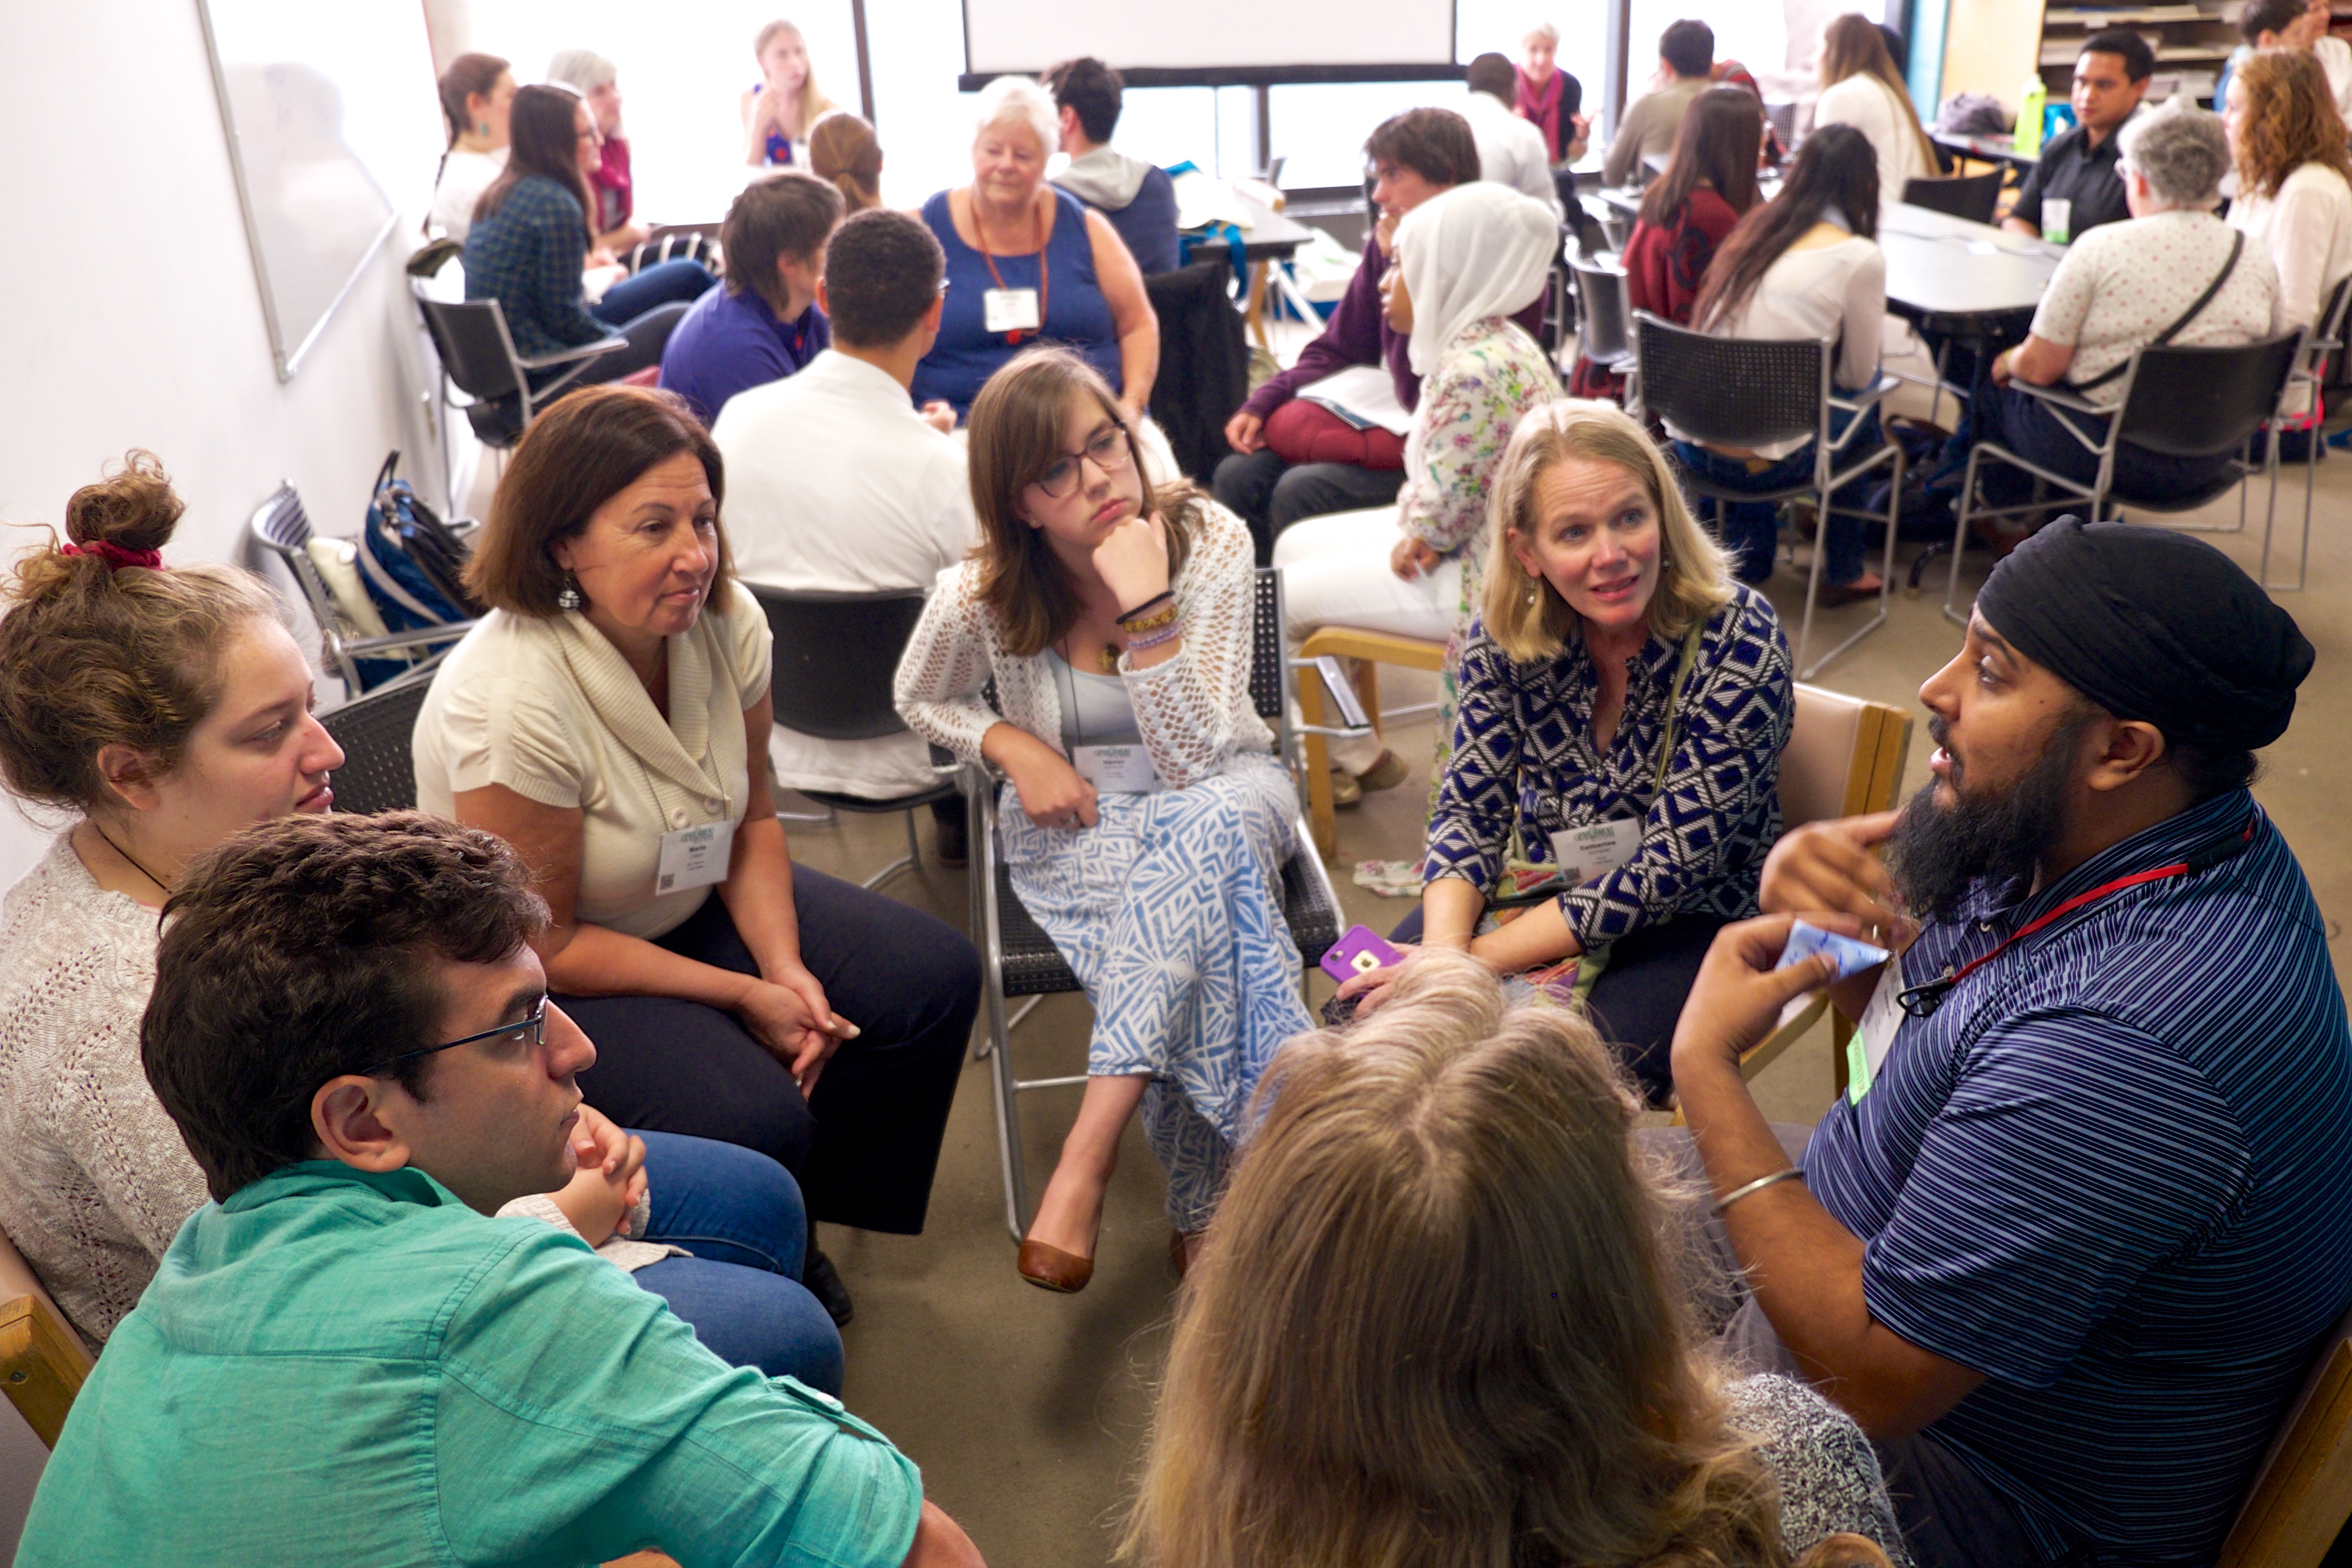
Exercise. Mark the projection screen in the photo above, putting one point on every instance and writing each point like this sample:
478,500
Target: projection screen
1338,36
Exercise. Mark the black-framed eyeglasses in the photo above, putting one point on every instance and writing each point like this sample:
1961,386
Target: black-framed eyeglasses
1108,451
532,1029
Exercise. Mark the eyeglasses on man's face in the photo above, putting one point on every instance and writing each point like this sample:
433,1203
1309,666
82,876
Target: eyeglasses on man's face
1108,451
531,1031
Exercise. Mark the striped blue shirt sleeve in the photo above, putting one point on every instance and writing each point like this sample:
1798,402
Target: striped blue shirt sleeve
2075,1154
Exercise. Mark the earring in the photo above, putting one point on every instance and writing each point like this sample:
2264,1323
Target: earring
569,599
1534,594
482,128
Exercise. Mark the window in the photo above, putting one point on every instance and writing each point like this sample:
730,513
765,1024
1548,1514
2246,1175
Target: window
1500,25
1320,128
1755,35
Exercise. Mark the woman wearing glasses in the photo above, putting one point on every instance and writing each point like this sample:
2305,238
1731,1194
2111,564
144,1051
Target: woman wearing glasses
163,710
1144,816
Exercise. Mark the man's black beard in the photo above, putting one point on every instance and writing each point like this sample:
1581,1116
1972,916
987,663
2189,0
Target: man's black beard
1938,853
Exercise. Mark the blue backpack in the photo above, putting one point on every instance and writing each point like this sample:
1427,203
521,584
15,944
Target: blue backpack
413,566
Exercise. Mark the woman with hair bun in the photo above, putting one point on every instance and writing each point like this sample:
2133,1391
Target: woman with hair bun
1437,1324
842,148
158,712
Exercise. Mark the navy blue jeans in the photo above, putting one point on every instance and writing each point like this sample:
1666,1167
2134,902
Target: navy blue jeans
1748,530
2030,429
645,310
739,1214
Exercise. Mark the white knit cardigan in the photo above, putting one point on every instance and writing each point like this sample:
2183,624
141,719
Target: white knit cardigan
1193,711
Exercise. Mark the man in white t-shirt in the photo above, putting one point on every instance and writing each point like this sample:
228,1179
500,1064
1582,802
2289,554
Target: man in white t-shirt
1511,151
836,483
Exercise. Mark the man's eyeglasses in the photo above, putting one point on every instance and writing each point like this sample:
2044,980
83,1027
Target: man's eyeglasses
532,1030
1108,451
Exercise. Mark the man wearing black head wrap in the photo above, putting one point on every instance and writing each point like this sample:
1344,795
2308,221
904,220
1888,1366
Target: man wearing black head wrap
2067,1245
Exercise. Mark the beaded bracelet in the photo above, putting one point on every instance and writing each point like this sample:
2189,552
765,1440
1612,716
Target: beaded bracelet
1167,634
1149,616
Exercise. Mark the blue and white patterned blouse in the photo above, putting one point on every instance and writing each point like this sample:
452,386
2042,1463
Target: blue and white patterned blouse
1523,751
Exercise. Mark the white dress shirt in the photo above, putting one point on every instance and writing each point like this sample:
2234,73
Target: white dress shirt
1510,150
835,484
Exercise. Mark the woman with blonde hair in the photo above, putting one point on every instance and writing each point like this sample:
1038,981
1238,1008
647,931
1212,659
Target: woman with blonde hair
1623,706
1860,88
842,149
1145,818
1438,1325
783,109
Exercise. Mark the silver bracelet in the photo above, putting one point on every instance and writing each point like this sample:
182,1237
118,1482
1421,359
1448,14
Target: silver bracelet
1758,1186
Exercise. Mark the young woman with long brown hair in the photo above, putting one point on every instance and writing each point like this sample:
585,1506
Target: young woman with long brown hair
1145,816
1861,88
1436,1325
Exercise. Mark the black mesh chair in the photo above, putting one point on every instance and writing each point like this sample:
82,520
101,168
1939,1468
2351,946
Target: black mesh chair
375,733
1971,196
2322,345
478,357
1744,393
282,529
1018,959
835,656
2177,402
1602,311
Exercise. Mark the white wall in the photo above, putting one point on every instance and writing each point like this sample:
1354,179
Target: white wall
129,313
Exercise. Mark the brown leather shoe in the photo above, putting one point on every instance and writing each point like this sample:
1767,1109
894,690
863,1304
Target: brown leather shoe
1051,1269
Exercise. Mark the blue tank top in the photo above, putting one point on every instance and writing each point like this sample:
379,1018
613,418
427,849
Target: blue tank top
1077,314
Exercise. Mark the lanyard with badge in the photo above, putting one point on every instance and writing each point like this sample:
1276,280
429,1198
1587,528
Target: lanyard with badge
1015,313
1596,849
1111,769
1893,1001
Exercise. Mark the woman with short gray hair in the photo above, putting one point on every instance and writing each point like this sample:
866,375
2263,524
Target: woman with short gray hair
598,80
1028,263
2172,273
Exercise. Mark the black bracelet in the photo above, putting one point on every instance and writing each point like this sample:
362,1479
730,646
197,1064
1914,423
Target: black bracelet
1126,615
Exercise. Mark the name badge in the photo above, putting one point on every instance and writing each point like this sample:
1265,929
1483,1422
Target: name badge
1865,1050
695,856
1009,310
1116,770
1596,849
2057,219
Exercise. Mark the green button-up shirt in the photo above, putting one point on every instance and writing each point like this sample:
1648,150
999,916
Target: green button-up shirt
339,1367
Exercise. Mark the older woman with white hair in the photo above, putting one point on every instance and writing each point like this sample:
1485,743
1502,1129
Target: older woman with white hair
1552,100
599,82
1465,261
2172,273
1030,264
1624,704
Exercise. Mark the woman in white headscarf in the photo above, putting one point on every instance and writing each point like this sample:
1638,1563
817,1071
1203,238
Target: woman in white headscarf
1465,261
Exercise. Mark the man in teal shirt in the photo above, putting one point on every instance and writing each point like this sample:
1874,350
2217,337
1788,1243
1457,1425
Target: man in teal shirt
344,1358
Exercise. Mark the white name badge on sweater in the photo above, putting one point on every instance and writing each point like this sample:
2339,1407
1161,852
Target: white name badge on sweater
695,856
1116,770
1009,310
1867,1047
1596,849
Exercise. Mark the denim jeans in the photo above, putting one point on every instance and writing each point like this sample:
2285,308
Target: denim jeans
2034,431
739,1214
1748,530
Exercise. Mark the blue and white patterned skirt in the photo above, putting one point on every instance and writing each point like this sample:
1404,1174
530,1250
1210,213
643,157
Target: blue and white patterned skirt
1169,912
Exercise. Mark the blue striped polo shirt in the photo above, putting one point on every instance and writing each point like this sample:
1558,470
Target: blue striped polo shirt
2112,1172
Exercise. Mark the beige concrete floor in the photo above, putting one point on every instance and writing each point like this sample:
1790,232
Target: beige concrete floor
1025,1410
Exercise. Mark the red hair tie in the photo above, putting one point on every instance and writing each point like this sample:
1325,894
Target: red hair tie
115,556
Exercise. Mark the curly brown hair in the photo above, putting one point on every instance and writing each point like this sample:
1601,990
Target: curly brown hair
2289,120
93,653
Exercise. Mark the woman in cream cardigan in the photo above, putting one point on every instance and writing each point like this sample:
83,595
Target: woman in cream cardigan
610,718
1145,818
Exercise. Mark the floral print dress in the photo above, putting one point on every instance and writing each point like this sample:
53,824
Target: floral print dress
1487,378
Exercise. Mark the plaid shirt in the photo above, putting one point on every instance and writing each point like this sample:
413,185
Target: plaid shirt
1523,754
529,256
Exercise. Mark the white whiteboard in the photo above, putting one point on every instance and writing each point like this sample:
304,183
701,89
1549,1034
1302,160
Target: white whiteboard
1029,34
329,107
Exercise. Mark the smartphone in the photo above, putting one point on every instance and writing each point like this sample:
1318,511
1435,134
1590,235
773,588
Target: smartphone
1362,950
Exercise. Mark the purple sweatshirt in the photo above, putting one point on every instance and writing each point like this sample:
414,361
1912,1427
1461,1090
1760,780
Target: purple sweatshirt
1357,334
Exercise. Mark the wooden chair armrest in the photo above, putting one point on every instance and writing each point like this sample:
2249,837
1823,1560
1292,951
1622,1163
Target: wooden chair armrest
42,1364
1381,647
1802,1015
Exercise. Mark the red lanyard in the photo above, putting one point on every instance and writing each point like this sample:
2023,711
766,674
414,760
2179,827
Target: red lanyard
1919,1001
1045,283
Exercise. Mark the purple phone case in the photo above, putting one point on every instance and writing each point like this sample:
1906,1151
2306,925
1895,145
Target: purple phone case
1362,949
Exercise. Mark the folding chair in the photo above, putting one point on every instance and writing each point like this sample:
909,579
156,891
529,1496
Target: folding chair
1602,311
836,657
479,358
283,529
1744,393
1319,655
2177,402
1017,958
376,733
2325,338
